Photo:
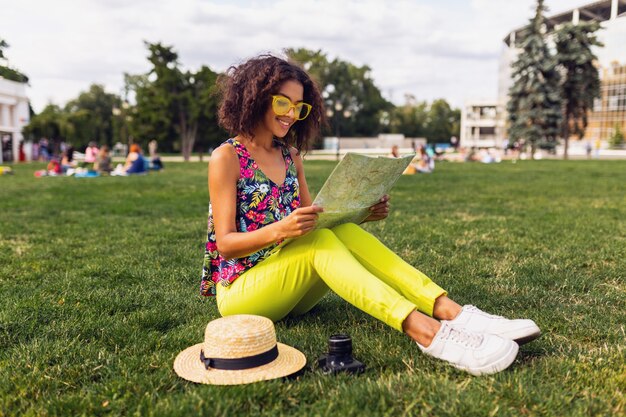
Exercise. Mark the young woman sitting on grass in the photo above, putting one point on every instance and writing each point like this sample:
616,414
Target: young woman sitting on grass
134,161
103,160
67,161
134,164
259,197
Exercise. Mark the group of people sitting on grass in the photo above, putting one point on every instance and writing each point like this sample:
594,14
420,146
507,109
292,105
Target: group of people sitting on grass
486,156
424,160
98,162
423,163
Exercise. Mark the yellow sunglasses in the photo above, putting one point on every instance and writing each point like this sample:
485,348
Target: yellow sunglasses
281,106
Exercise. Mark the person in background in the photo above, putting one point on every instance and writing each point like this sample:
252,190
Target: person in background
103,160
91,152
68,164
425,164
54,167
135,163
155,160
21,155
152,148
395,153
430,151
44,150
596,148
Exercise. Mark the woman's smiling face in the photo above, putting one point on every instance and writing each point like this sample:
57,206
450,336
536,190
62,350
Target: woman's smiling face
280,125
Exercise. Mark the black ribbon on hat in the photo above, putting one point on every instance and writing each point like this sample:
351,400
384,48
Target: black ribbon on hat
235,364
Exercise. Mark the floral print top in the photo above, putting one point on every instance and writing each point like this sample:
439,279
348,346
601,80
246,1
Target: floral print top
260,202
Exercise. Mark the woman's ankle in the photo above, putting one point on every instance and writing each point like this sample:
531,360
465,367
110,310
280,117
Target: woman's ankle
445,308
421,328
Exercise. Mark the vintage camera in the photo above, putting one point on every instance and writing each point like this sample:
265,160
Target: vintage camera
339,357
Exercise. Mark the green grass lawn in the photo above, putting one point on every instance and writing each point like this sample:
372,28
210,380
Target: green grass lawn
99,292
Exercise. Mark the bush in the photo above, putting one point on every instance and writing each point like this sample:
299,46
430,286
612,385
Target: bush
617,138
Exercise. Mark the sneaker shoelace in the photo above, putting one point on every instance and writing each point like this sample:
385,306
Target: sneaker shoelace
462,337
474,309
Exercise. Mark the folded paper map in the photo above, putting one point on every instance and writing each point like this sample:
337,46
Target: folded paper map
357,183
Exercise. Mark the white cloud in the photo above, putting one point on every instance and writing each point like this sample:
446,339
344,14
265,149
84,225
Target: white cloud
446,49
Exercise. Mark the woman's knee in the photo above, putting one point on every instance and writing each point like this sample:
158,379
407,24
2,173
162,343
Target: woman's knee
324,237
351,234
348,228
319,241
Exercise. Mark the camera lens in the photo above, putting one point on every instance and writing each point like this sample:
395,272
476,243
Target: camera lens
339,345
339,357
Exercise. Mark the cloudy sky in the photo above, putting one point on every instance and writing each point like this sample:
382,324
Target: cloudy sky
431,49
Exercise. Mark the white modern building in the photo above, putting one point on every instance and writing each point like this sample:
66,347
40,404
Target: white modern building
480,125
608,110
14,115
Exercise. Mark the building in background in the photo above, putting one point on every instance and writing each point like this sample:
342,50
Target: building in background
481,126
608,111
14,115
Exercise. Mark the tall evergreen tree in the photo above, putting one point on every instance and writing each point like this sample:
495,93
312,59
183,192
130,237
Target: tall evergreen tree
534,106
581,81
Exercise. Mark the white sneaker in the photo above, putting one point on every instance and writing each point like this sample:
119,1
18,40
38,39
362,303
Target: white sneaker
520,330
475,353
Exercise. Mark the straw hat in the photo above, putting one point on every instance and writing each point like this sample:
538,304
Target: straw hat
238,349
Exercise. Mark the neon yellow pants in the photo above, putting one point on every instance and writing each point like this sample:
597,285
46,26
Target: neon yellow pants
347,260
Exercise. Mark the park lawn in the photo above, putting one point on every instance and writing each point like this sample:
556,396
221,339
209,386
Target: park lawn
99,292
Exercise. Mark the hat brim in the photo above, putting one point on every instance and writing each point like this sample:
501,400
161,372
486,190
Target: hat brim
189,366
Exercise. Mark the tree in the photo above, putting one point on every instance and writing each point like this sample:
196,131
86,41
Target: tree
86,118
410,119
147,119
443,122
91,115
173,106
354,103
581,81
209,134
534,107
52,123
314,62
156,94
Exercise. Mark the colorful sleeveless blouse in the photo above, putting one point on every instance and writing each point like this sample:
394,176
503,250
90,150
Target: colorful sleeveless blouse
260,202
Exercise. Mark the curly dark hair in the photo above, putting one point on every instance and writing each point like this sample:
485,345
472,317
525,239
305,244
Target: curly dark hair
246,92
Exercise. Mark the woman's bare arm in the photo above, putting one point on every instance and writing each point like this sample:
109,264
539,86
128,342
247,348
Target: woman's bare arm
223,177
305,195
